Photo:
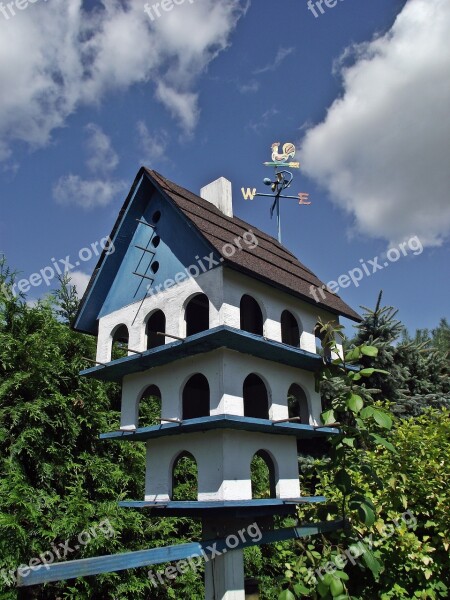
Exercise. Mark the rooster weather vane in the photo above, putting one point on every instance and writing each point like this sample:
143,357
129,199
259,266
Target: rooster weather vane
282,180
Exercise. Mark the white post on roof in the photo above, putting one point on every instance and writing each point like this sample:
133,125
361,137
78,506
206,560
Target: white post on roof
219,193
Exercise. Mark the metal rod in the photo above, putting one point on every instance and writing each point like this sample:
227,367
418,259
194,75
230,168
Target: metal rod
279,219
287,420
96,362
179,421
134,351
144,223
142,302
143,276
175,337
272,196
144,249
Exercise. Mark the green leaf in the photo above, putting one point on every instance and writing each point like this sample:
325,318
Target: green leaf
372,563
300,589
355,403
342,575
369,351
366,514
328,417
353,354
367,372
343,481
366,412
360,499
349,441
323,588
336,587
286,595
382,442
383,419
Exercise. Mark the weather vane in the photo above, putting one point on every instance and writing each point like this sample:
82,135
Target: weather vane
283,179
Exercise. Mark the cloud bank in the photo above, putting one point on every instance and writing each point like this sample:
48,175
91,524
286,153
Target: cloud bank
59,56
383,150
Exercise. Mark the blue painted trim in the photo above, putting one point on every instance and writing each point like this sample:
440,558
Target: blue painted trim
215,422
138,200
230,509
144,558
91,304
221,505
206,341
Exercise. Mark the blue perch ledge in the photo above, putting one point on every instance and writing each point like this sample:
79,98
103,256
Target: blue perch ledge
206,341
215,422
229,508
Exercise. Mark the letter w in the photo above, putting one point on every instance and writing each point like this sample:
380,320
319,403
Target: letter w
248,194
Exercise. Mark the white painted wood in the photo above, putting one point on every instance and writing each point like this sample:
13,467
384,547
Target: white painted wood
225,371
172,302
223,461
224,288
219,193
224,577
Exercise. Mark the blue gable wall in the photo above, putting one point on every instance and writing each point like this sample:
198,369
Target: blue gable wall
178,247
114,285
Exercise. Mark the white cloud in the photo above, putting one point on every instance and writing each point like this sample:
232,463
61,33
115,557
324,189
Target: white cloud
249,88
383,149
72,190
80,280
101,161
182,105
102,156
154,145
279,58
59,56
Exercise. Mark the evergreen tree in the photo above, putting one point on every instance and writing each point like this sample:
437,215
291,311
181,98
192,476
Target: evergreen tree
58,479
419,375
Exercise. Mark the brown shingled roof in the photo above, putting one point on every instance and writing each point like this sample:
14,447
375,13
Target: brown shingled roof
269,261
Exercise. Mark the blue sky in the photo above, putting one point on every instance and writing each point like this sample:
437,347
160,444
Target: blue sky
92,91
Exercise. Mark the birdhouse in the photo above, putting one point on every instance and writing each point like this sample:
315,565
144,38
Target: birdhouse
215,319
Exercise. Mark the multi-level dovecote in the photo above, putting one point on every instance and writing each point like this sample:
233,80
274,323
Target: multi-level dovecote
201,310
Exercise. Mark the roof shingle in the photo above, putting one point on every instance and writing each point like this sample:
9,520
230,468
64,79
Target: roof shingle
269,261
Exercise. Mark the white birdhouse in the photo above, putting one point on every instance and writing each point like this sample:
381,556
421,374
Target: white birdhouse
217,321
